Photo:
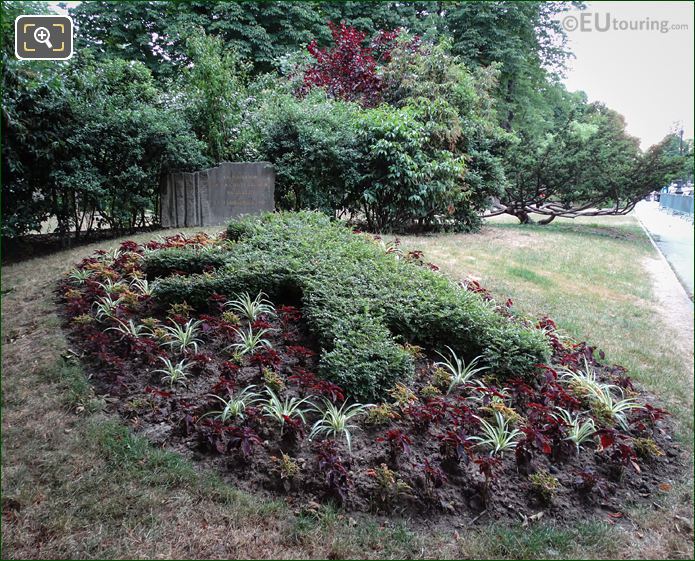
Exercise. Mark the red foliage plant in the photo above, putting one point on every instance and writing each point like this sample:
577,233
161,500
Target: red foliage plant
300,351
472,285
454,445
312,384
647,417
588,481
337,476
399,442
423,415
223,439
463,416
266,357
157,392
230,369
217,301
434,475
348,70
261,324
224,386
487,466
289,314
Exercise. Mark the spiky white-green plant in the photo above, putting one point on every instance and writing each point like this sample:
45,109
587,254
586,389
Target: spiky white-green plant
174,373
578,430
79,276
250,340
148,250
182,337
105,307
249,308
111,287
142,286
584,382
112,255
291,408
501,395
498,437
461,373
607,406
335,421
235,406
129,329
392,248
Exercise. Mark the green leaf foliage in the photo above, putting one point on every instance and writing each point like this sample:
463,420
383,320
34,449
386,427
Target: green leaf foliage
357,300
87,143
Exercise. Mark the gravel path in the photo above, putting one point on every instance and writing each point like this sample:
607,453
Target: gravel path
674,238
673,306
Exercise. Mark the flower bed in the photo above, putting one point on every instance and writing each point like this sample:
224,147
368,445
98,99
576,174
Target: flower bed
299,358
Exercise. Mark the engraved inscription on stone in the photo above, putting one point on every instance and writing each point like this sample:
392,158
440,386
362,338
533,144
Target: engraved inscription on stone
211,197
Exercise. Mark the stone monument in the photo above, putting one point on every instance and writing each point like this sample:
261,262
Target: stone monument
213,196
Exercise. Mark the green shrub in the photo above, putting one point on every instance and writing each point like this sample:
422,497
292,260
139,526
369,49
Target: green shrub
164,262
364,358
102,160
356,298
386,164
310,143
241,228
402,180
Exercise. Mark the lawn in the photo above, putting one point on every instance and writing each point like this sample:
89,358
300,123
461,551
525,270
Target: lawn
76,483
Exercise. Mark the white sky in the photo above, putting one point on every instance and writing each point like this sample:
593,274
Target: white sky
645,75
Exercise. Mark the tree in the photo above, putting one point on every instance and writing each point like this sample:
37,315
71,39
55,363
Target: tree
155,32
477,82
31,100
525,38
348,70
122,139
87,142
416,18
676,146
428,156
311,142
213,87
137,31
402,179
586,166
458,106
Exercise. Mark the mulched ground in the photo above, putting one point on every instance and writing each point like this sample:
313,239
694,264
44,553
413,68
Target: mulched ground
413,461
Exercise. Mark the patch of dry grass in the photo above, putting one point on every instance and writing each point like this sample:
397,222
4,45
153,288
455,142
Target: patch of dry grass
80,485
592,278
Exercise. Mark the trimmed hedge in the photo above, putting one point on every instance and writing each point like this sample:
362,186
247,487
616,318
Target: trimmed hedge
164,262
357,299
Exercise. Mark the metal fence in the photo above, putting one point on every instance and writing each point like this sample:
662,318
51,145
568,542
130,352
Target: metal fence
679,204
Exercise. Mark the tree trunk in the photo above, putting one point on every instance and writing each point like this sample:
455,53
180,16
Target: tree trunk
522,216
547,220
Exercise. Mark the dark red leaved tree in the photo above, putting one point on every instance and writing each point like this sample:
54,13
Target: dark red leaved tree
348,70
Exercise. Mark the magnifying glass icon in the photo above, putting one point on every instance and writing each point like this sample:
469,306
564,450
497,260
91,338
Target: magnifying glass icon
42,35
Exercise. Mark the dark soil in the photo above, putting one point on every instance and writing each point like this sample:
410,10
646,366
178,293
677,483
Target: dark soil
169,418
